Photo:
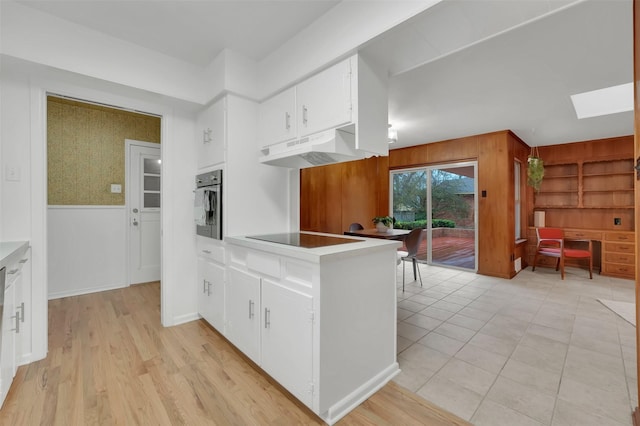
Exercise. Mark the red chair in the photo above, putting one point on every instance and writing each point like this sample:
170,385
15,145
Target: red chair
551,243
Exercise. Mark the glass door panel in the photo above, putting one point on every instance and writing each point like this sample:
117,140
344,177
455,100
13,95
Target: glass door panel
441,199
452,231
409,202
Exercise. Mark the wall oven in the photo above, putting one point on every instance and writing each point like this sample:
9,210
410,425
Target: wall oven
208,204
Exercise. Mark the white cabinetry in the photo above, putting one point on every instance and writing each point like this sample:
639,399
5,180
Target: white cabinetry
10,322
287,338
16,317
211,284
278,120
272,325
243,312
350,95
211,134
320,321
23,306
324,100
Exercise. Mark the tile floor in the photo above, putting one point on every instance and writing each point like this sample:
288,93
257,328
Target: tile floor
533,350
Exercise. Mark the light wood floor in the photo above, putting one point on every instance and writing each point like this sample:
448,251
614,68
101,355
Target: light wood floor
111,362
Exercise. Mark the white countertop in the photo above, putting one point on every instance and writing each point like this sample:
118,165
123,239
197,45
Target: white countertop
317,254
11,251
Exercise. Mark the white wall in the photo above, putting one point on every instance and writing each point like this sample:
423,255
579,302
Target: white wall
24,207
256,195
86,247
36,36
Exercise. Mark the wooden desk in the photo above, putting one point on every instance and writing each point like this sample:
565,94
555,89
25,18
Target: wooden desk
390,234
613,251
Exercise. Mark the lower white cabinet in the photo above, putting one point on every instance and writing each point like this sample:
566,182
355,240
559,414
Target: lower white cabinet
319,321
10,322
287,338
24,347
211,292
243,312
16,333
272,325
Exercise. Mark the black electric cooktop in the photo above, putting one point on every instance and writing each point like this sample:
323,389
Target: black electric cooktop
302,240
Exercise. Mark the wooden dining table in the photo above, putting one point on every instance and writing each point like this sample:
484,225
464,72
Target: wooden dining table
389,234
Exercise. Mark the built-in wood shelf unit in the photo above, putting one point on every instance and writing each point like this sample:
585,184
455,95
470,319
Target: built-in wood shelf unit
606,184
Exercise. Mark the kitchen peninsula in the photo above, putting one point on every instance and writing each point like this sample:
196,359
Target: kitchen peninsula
321,321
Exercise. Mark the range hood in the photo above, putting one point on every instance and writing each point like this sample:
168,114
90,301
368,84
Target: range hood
328,147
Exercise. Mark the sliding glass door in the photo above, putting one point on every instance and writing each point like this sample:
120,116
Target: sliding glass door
441,199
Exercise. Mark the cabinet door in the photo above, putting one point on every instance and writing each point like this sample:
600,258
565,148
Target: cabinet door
243,312
324,100
23,306
287,339
211,293
278,118
211,135
7,353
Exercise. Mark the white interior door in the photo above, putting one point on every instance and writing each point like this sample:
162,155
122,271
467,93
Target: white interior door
143,206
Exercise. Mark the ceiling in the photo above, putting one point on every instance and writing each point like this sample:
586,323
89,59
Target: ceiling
460,68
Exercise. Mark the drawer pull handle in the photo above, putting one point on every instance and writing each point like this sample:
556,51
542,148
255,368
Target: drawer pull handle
251,309
22,312
206,251
23,260
13,271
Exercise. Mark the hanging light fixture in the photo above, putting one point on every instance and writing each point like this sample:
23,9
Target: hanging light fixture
392,134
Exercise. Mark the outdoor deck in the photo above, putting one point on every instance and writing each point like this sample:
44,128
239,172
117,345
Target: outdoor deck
451,251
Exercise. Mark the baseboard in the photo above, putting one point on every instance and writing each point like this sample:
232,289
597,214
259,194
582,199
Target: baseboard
82,291
182,319
361,394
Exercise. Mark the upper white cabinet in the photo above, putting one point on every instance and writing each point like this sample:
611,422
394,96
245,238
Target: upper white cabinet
351,94
278,120
324,100
211,134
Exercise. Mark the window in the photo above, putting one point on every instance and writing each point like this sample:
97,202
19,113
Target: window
516,204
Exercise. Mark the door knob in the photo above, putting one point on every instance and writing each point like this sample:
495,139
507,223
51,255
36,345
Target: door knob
135,210
135,222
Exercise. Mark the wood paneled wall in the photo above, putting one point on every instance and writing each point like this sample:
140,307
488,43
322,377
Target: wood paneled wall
334,196
85,150
580,152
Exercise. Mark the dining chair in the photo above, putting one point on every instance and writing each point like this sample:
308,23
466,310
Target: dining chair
412,243
355,226
551,243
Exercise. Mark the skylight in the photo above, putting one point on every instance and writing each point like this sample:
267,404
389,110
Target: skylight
609,100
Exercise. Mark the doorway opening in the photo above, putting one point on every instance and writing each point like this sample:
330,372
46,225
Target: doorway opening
88,195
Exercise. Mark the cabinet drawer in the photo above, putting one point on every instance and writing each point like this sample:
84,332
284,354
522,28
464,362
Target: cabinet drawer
619,248
619,269
627,259
580,234
210,249
619,236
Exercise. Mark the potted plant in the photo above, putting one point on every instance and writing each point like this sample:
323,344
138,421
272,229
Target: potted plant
383,223
535,172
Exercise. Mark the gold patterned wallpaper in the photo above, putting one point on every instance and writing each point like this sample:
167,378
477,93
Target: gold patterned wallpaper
85,149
